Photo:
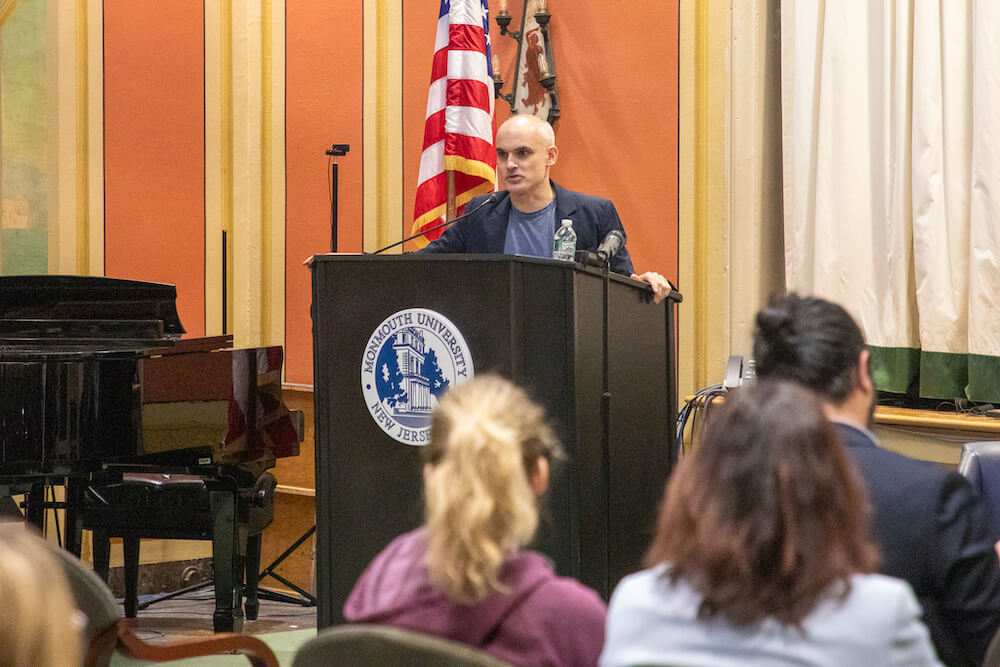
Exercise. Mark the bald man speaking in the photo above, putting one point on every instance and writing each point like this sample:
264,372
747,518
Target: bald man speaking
524,219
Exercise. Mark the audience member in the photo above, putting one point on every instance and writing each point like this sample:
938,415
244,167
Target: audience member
465,575
931,527
761,555
42,625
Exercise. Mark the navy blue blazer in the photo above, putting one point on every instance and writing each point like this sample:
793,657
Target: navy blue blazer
933,531
485,231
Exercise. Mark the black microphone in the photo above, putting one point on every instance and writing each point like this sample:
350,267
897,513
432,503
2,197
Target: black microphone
492,199
610,245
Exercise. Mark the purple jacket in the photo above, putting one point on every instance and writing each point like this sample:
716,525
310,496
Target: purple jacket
542,619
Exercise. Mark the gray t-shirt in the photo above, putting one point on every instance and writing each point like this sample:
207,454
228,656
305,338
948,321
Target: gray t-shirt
531,234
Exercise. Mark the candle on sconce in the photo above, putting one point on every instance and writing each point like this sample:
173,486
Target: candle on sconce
503,7
542,9
496,66
543,65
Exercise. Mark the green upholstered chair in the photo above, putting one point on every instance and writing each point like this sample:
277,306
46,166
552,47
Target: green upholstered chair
362,645
992,657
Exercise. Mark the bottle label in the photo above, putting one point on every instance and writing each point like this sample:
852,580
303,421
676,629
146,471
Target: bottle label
564,250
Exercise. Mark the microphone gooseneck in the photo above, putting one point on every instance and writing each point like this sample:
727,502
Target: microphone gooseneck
489,200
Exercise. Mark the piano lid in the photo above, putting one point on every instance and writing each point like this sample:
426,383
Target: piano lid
94,298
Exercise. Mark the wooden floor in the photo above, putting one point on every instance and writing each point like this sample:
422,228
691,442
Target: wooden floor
190,616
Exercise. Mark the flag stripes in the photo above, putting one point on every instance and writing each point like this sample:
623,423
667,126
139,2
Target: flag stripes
459,129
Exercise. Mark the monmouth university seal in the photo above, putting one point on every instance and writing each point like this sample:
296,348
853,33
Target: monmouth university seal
410,360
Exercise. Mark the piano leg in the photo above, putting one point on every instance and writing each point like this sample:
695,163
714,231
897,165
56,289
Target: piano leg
102,552
227,561
34,510
252,605
74,516
131,548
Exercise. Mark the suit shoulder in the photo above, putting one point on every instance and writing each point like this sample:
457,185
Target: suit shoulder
872,458
479,199
904,468
583,199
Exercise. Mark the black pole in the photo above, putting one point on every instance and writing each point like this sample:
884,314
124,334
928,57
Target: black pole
225,286
670,341
673,444
606,431
333,208
335,151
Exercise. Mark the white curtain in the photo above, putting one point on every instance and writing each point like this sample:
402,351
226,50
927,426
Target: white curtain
891,161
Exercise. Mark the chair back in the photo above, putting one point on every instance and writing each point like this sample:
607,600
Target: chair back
992,657
92,595
363,645
106,632
980,464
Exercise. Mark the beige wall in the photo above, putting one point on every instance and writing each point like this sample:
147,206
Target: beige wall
731,253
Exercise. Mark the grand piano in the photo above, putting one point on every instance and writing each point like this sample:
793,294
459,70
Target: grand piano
97,383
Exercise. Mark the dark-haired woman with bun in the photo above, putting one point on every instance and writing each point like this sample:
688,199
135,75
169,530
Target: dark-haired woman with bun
931,527
465,575
762,555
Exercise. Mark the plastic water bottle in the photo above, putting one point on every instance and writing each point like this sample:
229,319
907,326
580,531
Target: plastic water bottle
564,244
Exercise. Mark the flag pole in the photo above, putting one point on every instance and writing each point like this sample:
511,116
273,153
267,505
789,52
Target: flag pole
449,214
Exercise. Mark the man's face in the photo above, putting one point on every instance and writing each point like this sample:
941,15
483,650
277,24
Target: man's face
523,158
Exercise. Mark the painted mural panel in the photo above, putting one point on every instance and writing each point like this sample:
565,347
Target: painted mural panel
154,148
24,177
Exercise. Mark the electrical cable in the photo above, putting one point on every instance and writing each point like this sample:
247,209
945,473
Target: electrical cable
689,412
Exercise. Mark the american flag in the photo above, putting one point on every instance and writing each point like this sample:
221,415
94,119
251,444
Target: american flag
459,129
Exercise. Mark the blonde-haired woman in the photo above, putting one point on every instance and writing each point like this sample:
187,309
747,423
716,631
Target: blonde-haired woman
464,575
41,623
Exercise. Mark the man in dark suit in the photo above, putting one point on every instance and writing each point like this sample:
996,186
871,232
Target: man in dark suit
930,525
523,218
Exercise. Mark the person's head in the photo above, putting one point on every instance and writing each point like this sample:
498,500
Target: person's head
815,343
767,513
486,464
41,623
526,150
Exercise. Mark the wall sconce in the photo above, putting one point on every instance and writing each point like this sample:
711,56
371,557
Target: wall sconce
534,90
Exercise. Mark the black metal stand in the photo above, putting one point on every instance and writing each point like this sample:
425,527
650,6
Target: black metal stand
306,599
175,594
333,206
225,283
672,444
34,508
334,152
606,417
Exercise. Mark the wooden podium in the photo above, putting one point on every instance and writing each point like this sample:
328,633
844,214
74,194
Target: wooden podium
538,322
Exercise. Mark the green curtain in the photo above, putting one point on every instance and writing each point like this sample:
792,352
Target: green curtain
891,167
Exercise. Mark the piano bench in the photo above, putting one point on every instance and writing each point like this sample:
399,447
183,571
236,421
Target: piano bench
231,513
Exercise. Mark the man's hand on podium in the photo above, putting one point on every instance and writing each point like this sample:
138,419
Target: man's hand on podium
660,285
